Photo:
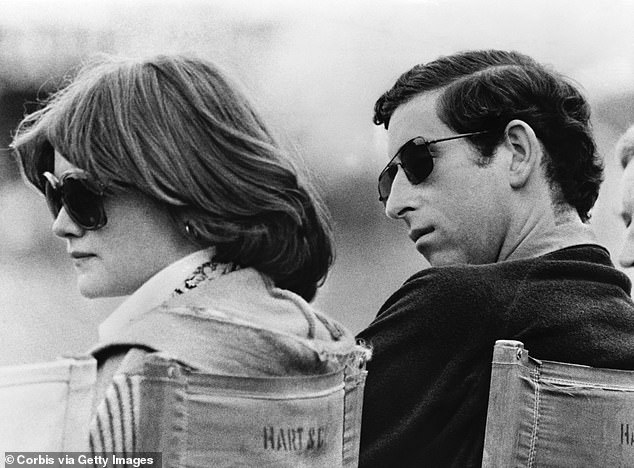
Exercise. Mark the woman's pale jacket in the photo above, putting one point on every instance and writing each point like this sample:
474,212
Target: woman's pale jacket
233,371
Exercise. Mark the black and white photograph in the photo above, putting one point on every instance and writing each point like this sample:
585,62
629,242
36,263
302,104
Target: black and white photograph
352,233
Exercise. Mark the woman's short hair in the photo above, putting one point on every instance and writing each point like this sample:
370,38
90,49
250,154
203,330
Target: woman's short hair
178,130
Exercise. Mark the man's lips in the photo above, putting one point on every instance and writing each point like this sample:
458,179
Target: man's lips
416,234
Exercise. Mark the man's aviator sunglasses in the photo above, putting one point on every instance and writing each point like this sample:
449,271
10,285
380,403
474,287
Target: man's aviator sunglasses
415,159
80,195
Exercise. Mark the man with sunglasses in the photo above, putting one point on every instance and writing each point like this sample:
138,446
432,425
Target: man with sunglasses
493,170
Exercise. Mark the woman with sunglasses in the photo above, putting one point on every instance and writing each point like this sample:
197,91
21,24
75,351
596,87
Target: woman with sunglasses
169,188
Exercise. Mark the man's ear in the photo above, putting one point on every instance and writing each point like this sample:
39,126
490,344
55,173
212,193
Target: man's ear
526,152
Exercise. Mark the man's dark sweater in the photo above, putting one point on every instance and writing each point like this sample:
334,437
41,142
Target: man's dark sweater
427,389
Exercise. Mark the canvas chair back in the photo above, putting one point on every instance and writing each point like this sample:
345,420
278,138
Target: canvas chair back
551,414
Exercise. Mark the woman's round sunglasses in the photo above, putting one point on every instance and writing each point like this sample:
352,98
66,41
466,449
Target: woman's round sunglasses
80,195
415,159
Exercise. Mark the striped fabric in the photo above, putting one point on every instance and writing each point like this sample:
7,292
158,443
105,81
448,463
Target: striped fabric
226,330
115,424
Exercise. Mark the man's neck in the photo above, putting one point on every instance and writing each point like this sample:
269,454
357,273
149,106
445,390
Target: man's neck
549,236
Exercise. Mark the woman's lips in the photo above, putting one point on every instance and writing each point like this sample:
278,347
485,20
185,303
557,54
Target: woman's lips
80,258
77,254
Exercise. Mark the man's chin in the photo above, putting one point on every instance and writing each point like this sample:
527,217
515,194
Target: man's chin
440,258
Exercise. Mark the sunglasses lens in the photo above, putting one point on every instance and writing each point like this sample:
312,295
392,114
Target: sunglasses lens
417,163
84,206
53,198
385,181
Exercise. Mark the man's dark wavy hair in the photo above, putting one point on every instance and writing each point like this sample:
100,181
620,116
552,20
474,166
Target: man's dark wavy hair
486,89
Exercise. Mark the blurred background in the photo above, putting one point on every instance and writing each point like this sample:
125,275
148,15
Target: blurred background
315,69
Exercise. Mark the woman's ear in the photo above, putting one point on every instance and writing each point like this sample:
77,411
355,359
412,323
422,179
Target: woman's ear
526,152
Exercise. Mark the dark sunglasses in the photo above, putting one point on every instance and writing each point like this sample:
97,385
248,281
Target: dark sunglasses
415,159
80,194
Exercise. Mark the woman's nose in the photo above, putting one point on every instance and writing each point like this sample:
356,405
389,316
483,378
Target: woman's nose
64,226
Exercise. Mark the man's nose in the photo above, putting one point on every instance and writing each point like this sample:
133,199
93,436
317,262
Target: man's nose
401,196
